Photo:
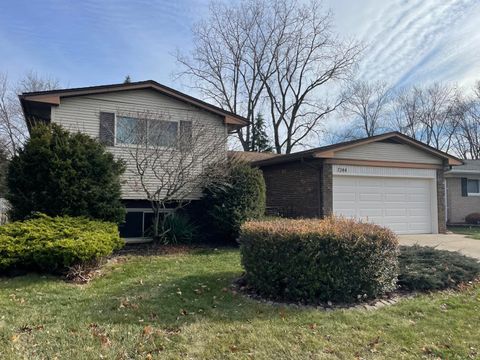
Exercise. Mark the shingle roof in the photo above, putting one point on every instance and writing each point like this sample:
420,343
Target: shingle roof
468,166
250,156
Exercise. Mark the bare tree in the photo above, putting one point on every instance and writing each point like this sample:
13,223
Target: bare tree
280,51
407,112
428,114
308,60
467,134
229,48
368,103
167,159
32,82
13,128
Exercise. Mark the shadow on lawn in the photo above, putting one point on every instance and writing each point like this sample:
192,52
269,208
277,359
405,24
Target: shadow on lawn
177,302
153,249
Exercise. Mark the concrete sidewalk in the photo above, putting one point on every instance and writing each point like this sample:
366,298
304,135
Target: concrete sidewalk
451,242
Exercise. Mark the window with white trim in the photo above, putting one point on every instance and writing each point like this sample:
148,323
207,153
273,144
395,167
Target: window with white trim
473,187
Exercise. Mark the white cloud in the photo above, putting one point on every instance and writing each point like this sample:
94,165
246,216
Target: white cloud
416,41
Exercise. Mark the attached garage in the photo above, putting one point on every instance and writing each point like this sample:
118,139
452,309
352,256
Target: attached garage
391,180
402,200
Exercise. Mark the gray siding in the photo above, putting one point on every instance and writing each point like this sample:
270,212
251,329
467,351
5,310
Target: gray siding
384,151
459,206
82,114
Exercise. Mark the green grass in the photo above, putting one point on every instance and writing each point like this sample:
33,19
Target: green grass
471,232
180,306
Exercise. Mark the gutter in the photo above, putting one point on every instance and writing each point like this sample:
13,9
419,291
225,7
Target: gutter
456,171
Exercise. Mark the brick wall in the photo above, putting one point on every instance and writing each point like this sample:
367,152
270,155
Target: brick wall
460,206
293,189
442,227
327,189
305,189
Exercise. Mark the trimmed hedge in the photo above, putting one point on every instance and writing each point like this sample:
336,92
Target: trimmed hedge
313,260
425,268
53,244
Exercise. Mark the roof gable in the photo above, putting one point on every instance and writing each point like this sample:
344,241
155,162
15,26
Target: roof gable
53,97
388,151
330,151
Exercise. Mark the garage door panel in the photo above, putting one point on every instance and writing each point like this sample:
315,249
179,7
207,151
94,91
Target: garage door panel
418,212
350,212
416,227
373,183
345,196
394,197
394,182
370,212
370,197
395,212
402,204
420,197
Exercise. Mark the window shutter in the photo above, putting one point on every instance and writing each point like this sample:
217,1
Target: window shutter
107,128
464,187
185,134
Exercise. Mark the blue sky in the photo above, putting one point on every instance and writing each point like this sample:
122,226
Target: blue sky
90,42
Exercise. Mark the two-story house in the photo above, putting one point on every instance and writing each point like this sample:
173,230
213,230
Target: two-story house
109,112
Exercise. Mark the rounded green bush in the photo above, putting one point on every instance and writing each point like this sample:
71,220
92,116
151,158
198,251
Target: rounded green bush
53,244
314,260
233,198
473,218
62,173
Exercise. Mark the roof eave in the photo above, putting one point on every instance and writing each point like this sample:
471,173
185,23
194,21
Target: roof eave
460,172
328,152
54,97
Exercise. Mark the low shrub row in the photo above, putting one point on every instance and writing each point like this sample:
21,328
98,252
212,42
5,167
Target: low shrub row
53,244
427,269
315,260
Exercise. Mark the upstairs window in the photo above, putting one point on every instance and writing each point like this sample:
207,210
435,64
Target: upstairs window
129,130
148,132
162,133
473,187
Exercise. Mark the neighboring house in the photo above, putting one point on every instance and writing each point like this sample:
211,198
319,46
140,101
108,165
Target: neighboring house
107,113
389,179
463,191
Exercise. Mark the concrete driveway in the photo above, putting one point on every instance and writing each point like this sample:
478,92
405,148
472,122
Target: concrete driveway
452,242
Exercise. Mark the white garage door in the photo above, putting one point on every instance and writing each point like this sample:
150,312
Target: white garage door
402,204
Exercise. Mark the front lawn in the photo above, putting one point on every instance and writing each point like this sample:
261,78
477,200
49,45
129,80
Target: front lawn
181,306
471,232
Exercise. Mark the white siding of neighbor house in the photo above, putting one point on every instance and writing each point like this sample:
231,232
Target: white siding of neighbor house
82,113
384,151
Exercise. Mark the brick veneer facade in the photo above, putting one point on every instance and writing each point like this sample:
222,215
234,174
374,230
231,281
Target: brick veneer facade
327,190
442,223
295,189
305,189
